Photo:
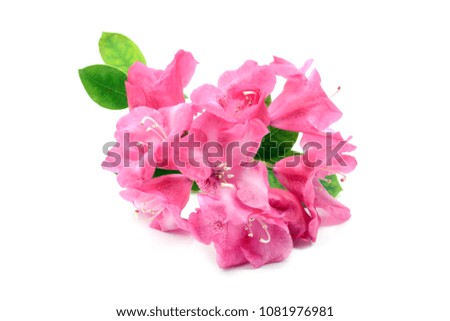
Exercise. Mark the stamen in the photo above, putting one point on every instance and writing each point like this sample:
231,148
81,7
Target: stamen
147,208
336,92
154,126
265,228
152,211
219,172
226,185
250,95
248,227
149,129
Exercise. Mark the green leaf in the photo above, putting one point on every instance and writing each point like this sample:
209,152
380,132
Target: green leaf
119,51
273,180
332,185
268,101
195,187
276,145
105,85
161,172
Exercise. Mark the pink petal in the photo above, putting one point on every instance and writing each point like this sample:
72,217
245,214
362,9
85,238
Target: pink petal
191,159
209,98
169,222
333,211
178,118
157,88
290,211
299,181
252,185
325,148
230,257
278,249
175,188
132,172
162,201
139,123
229,134
240,94
286,69
249,76
135,95
303,106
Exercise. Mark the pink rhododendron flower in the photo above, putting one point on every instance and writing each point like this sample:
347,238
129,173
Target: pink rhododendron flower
240,233
292,213
303,180
302,106
299,181
240,94
147,125
221,143
161,202
231,167
140,136
160,88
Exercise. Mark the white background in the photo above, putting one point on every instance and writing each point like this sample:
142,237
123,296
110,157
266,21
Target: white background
70,248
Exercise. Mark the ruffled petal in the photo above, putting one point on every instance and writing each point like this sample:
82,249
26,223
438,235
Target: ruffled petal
160,88
303,106
332,151
162,200
277,249
333,211
291,212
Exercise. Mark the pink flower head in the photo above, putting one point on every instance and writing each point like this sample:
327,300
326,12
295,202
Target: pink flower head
160,88
302,178
240,234
233,144
141,135
229,168
161,202
299,181
302,106
152,128
292,213
240,94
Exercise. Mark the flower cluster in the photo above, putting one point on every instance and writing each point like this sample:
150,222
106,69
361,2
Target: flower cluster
232,145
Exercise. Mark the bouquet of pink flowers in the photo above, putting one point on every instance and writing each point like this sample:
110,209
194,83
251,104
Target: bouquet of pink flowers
231,143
